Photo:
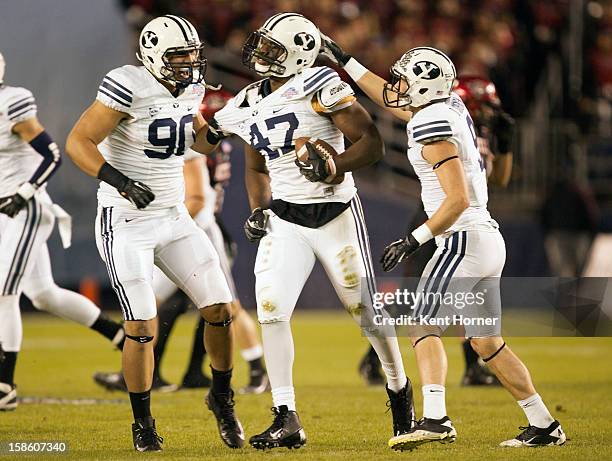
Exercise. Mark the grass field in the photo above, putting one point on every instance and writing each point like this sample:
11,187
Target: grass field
343,419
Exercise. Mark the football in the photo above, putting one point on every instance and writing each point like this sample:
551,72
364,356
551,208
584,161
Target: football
325,151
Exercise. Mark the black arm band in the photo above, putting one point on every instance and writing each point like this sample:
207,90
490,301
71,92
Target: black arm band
112,176
442,162
44,145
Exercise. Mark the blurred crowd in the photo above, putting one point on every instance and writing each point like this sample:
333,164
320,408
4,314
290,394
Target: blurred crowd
492,38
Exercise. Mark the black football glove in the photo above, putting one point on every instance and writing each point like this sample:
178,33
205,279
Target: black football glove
503,128
315,168
12,205
136,192
255,226
332,50
397,251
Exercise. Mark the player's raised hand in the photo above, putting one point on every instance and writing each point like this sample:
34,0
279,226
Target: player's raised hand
395,252
255,226
12,205
138,193
332,50
504,127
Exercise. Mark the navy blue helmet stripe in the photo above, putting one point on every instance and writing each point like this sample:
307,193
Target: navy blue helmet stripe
27,224
116,91
14,109
174,18
437,122
32,239
119,85
274,20
190,27
103,91
271,19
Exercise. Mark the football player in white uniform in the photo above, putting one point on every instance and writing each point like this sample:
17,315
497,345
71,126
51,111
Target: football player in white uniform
133,138
298,220
442,148
27,216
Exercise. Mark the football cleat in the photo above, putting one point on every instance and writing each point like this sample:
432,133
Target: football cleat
426,430
479,374
258,384
369,369
533,436
286,431
8,397
145,435
401,404
195,381
230,429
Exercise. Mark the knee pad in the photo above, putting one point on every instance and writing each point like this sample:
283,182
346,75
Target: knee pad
140,339
422,338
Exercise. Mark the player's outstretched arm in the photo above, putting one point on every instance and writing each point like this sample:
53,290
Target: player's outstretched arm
370,83
367,145
443,157
31,131
208,135
96,123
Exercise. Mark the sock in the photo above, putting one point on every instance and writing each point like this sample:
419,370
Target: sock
434,402
141,404
284,396
198,350
253,356
279,353
221,381
387,349
536,411
372,354
167,314
471,357
7,368
11,330
109,329
256,367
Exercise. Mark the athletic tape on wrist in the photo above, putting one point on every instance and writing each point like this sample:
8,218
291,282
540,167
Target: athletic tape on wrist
422,234
355,69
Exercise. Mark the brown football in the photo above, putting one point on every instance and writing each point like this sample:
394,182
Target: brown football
325,151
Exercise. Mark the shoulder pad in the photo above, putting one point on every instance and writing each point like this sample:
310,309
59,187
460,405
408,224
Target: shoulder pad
20,104
334,96
315,78
431,124
116,90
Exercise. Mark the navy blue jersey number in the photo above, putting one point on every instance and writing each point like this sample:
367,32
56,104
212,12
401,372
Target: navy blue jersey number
262,144
165,132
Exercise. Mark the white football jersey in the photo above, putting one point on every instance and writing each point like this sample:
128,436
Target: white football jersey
271,123
148,145
18,160
449,120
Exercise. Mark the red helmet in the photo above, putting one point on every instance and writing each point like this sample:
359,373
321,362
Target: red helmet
213,101
476,91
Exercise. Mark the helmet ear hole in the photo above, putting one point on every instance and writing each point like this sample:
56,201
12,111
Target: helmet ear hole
299,61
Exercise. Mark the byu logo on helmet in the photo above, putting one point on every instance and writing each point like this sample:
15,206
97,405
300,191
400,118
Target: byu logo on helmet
149,39
426,70
305,40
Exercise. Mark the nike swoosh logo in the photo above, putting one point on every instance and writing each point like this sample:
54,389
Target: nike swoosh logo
276,434
274,111
129,220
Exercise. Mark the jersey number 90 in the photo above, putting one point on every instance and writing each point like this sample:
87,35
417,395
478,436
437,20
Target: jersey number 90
163,133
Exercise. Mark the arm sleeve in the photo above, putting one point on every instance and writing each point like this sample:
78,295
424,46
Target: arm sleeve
22,106
333,97
44,145
431,126
115,92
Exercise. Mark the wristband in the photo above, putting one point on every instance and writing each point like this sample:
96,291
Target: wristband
422,234
355,69
112,176
26,190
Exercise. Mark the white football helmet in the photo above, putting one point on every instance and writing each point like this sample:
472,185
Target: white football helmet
286,44
420,76
2,67
168,36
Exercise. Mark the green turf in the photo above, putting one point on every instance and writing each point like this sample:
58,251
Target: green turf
343,419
